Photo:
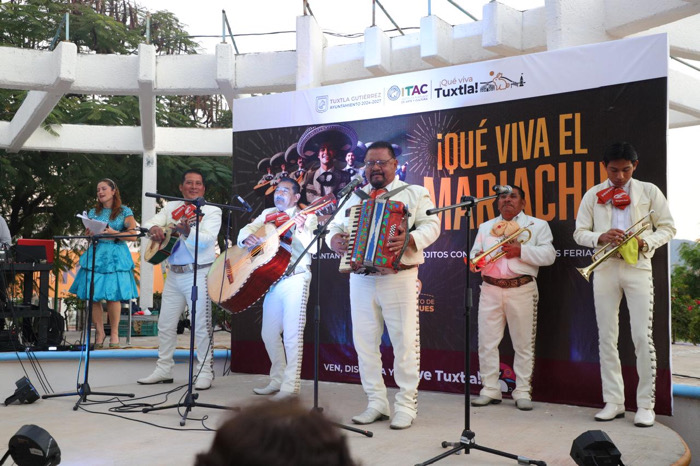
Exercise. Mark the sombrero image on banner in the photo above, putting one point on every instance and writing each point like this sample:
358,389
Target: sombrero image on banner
355,159
279,165
265,168
329,143
339,137
291,156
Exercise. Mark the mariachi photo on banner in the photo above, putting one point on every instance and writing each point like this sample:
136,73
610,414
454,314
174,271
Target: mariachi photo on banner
540,122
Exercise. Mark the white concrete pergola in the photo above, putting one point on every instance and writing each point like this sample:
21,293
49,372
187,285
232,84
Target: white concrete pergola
502,32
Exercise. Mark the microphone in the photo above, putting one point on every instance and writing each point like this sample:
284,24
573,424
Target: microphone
141,230
350,187
243,202
502,189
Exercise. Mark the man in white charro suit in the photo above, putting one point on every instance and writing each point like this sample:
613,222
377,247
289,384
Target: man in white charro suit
606,212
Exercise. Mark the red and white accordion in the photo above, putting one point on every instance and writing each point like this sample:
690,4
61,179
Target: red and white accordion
370,226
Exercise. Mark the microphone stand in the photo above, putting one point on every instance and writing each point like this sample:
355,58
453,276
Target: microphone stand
83,390
190,400
319,234
467,440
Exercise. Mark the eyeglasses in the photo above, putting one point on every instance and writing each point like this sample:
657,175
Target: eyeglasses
379,163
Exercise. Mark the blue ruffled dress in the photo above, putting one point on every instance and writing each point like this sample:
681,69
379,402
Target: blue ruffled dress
114,268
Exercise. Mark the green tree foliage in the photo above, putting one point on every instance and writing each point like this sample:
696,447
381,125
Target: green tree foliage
42,191
685,294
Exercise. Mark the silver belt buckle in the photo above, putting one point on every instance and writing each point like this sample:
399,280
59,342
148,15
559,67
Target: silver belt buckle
182,268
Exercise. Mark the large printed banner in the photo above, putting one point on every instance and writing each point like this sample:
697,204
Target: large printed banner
539,121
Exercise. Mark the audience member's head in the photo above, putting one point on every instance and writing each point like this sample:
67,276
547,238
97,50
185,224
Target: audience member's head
280,434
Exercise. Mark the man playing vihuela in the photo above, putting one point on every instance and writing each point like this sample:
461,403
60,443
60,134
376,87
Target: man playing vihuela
284,307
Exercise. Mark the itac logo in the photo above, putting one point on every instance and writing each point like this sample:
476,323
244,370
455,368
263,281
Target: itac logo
414,90
321,103
394,92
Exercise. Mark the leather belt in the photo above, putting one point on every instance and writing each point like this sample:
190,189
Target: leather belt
187,268
508,282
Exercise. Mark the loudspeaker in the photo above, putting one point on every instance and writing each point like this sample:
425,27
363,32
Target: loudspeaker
25,393
55,331
594,448
33,446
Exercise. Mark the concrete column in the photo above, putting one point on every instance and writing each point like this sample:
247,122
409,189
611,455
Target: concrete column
147,97
310,46
226,71
377,51
575,22
435,41
148,210
502,29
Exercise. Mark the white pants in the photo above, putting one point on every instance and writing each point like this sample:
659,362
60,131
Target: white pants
610,281
518,308
284,319
177,293
392,299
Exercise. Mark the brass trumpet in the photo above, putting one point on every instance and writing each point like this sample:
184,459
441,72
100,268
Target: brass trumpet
473,262
587,271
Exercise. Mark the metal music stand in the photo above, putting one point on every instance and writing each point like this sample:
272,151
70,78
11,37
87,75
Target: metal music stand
467,440
190,400
83,389
319,234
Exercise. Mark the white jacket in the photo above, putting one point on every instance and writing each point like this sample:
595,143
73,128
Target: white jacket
300,239
424,228
594,219
536,253
208,230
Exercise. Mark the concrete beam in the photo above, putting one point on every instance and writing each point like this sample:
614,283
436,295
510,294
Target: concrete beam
226,72
310,45
681,120
682,37
467,44
377,51
575,22
38,105
26,69
684,94
627,17
535,30
266,72
344,63
147,97
502,29
127,140
435,41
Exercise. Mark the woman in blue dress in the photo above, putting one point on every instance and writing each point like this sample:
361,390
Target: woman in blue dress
114,267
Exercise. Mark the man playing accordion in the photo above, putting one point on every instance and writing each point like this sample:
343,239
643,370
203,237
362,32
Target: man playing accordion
388,298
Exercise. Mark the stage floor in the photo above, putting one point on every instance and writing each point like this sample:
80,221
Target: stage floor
95,436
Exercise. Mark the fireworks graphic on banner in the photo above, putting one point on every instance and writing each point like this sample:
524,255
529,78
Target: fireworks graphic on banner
422,143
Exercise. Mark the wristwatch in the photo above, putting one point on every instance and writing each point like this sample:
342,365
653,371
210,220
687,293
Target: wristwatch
645,247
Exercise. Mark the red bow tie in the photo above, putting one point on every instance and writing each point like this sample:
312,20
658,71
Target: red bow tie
617,196
278,217
374,193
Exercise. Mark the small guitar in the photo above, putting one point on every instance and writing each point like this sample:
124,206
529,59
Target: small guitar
157,252
240,277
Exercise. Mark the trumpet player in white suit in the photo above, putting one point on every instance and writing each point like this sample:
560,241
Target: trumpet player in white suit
606,212
509,294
